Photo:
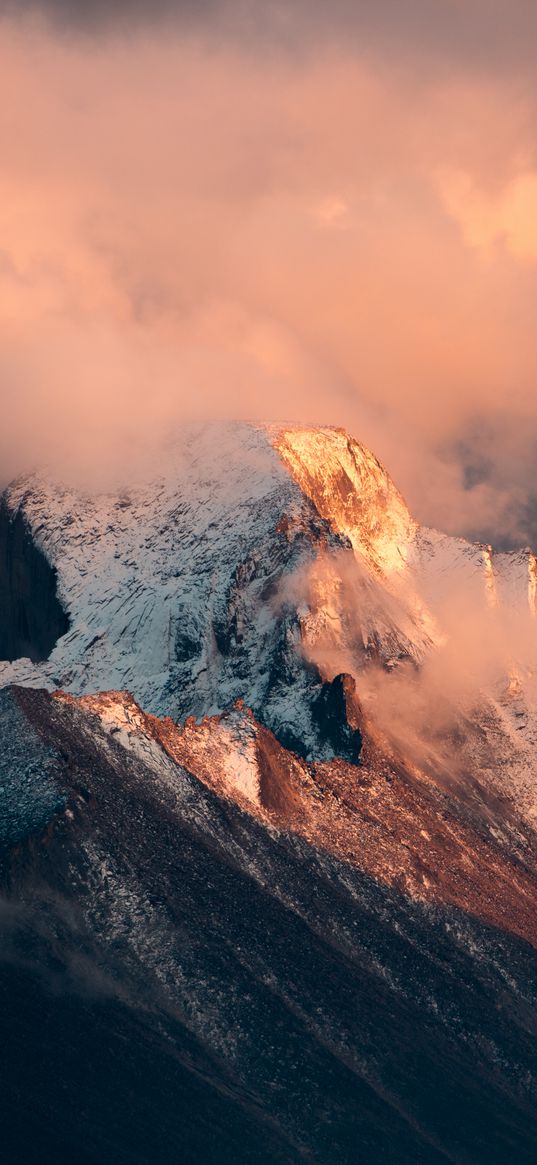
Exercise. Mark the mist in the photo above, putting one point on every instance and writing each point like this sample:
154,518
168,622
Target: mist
200,224
454,659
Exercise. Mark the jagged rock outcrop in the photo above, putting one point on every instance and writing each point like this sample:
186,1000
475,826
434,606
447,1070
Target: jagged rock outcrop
333,713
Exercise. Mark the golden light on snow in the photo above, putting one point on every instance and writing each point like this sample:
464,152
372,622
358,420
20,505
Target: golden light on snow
352,490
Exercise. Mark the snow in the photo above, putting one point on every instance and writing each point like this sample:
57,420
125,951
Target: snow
216,577
143,572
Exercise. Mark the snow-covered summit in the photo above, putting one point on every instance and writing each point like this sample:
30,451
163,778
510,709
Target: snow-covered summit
166,582
258,563
173,587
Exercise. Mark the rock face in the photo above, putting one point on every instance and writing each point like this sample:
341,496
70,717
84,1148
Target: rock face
268,863
31,616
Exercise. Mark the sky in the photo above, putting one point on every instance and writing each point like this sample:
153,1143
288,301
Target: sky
283,211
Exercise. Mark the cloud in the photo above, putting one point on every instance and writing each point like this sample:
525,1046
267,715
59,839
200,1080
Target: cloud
193,228
482,34
499,218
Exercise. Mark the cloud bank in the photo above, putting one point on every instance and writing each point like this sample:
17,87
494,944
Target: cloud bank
276,212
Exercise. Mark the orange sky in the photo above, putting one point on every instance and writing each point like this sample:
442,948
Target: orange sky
343,232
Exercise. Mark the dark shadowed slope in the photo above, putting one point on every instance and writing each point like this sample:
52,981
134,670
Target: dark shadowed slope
32,618
182,982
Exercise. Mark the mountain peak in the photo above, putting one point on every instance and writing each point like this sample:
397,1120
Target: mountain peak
262,562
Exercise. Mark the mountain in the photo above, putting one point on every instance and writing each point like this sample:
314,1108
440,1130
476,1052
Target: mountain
267,817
